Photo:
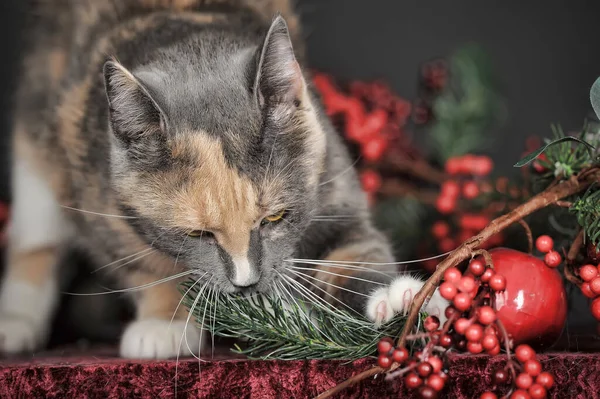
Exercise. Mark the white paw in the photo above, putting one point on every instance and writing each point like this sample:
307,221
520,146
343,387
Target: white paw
385,302
161,339
18,335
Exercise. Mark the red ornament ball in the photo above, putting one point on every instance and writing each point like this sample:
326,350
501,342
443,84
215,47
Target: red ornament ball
533,305
553,259
544,243
588,272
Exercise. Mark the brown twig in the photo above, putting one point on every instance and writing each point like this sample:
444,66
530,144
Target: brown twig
563,204
417,168
571,258
527,229
399,188
549,196
486,255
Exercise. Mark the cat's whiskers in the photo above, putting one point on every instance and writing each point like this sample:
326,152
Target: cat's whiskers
138,288
338,274
374,263
348,169
98,213
320,302
143,251
343,266
328,283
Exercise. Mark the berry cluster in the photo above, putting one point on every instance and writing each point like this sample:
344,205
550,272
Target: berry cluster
545,244
433,79
471,326
530,383
590,274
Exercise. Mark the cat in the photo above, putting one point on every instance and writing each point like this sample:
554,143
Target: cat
171,139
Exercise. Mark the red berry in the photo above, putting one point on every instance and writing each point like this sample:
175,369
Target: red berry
497,282
370,180
544,243
412,381
489,342
491,330
436,382
587,291
482,166
595,307
486,315
384,346
461,325
374,122
588,272
524,353
494,351
474,333
545,379
452,275
440,230
532,367
446,341
553,259
524,381
373,149
424,369
400,355
477,267
445,204
536,391
431,323
488,395
520,394
473,222
384,361
450,189
436,363
466,284
470,190
487,275
448,290
500,377
595,286
427,392
474,347
453,166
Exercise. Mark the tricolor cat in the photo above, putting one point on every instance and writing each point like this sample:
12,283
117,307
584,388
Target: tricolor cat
181,138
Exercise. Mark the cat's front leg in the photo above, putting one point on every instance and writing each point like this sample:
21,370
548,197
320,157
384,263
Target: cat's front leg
163,328
363,275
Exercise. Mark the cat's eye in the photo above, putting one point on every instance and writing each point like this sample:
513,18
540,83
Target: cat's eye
200,233
276,217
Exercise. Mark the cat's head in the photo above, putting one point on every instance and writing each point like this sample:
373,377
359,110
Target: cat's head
217,153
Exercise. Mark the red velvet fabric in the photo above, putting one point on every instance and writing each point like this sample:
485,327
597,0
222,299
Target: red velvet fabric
101,374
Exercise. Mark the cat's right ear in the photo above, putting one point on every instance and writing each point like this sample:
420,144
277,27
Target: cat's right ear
134,114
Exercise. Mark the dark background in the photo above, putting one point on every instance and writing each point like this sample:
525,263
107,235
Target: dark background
546,55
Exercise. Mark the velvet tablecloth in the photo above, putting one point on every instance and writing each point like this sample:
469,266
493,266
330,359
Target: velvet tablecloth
100,374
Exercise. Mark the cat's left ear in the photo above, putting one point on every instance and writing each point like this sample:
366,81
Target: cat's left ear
279,77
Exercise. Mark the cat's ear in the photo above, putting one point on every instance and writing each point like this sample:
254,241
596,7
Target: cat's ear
279,77
133,112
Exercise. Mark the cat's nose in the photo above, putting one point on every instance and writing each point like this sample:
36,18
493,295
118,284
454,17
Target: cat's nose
245,275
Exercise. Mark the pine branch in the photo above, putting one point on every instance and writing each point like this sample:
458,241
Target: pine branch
287,330
587,211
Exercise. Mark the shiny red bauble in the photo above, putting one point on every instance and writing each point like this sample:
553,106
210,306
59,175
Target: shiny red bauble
533,306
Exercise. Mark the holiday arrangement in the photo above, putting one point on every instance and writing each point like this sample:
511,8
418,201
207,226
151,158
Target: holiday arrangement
512,247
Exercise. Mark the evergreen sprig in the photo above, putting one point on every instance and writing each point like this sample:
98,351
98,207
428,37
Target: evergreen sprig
587,211
272,328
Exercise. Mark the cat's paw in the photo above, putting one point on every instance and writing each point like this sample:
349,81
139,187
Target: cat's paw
385,302
18,335
161,339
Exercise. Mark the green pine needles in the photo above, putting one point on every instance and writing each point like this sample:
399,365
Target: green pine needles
275,328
